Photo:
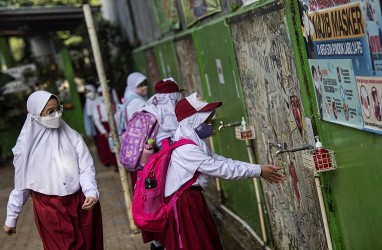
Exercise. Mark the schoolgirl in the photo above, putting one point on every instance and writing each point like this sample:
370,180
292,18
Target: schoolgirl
135,93
103,129
162,106
194,222
54,166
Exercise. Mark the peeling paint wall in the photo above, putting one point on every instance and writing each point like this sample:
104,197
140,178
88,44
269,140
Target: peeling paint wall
146,27
188,65
152,65
272,96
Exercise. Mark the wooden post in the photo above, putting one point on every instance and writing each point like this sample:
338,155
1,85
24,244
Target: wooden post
105,91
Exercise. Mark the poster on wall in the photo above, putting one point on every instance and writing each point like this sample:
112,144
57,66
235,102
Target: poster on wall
337,35
336,92
344,29
370,91
194,10
166,15
374,26
347,33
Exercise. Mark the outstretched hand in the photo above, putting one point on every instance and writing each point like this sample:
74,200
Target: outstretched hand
89,203
9,230
271,174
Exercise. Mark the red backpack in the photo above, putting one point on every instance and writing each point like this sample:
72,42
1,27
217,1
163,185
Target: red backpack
150,212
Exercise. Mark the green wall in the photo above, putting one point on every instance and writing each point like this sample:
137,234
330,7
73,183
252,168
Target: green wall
140,62
213,42
351,192
74,115
166,60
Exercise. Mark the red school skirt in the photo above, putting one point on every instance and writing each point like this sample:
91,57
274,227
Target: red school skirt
63,224
105,156
196,226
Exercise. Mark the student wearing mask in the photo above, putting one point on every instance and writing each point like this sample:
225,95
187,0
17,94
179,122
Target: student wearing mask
53,165
101,122
162,106
91,103
194,227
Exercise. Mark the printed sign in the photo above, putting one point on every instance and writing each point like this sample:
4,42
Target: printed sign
337,32
340,32
336,91
370,94
374,32
194,10
166,15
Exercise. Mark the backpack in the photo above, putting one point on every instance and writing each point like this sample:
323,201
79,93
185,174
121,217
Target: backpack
150,212
121,116
141,127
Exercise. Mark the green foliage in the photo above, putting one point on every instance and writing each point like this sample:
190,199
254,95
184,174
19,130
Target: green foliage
114,50
12,108
17,46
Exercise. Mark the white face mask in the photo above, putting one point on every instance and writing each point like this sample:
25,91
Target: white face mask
48,121
91,95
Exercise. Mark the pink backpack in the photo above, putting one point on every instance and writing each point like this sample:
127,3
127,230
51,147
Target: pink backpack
150,212
140,128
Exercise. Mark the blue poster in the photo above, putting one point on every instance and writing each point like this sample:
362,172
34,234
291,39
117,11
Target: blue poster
336,91
340,33
349,29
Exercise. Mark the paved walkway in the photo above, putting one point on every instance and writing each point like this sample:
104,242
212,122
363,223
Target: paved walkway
115,223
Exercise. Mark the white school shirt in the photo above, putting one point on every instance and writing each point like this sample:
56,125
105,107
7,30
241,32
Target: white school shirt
71,182
188,159
99,116
134,105
48,161
214,165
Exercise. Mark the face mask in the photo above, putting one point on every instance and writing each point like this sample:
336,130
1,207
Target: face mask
91,95
102,99
204,130
49,122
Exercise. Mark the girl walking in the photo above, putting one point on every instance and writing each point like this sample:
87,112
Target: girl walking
53,165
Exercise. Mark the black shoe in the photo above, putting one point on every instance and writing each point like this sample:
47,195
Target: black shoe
153,247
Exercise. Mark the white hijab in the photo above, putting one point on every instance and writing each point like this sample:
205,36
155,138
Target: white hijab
133,80
180,171
43,155
187,129
162,106
91,104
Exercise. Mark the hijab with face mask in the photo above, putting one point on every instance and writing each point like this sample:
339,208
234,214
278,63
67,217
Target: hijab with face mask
92,99
91,103
50,156
162,106
192,111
